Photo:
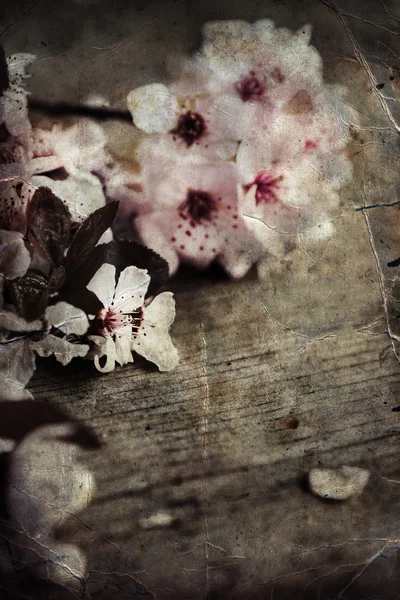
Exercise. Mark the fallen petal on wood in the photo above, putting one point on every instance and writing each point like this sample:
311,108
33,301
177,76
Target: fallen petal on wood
338,484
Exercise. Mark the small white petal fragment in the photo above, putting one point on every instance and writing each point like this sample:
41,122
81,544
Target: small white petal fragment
63,351
67,318
154,109
159,519
338,484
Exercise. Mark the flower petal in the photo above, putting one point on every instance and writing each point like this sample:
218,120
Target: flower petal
63,350
123,345
13,103
154,341
67,318
80,147
131,289
82,194
154,109
14,255
17,365
152,235
103,284
106,349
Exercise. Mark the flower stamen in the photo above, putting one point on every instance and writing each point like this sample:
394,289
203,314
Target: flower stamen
266,186
250,88
198,205
190,127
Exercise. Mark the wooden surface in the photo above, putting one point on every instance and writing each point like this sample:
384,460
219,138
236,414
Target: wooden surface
276,377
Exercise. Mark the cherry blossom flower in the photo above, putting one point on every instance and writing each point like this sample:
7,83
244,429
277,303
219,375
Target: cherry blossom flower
128,322
190,213
74,152
188,126
270,81
259,64
80,147
91,173
262,86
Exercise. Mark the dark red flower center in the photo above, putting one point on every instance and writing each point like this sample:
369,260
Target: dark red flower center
110,319
198,205
250,88
266,187
191,127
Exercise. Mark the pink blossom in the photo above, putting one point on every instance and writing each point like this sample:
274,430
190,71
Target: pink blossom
192,126
190,213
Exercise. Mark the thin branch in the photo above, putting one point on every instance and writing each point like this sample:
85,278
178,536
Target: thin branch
64,109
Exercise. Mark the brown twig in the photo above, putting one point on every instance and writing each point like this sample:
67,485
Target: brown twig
64,109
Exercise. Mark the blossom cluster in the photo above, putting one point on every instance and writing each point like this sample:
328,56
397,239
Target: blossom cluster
241,156
242,152
67,288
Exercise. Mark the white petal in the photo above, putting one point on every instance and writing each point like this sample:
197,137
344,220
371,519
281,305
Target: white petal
103,284
123,346
106,237
318,233
152,236
17,365
131,289
108,349
67,318
154,109
81,146
10,321
63,351
156,346
14,255
44,164
272,241
16,121
82,194
17,62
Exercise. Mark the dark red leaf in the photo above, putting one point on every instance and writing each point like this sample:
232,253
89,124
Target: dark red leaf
49,221
56,280
132,253
29,294
88,235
